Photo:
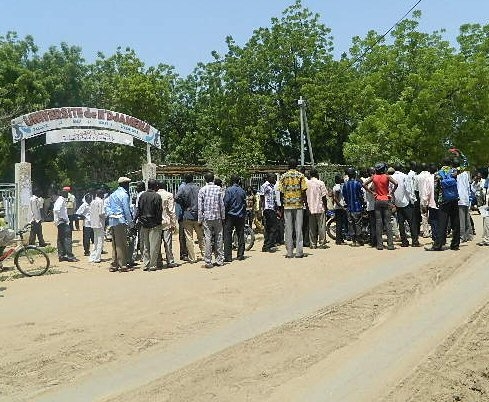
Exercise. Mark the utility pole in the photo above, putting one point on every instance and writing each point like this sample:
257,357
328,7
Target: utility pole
305,132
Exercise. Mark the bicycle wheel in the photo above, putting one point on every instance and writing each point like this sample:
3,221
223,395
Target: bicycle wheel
331,228
31,261
249,236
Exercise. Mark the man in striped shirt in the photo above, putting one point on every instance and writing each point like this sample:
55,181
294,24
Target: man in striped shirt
211,214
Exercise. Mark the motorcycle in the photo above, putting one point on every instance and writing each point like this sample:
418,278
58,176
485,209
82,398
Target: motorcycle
364,225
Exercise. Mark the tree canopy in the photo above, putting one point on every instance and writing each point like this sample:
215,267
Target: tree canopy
395,98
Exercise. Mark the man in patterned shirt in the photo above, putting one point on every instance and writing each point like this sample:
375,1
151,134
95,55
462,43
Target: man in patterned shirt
267,197
293,186
211,213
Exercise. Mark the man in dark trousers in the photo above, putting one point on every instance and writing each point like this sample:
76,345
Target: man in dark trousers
149,215
235,206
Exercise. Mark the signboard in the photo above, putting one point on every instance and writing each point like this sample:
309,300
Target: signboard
37,123
87,134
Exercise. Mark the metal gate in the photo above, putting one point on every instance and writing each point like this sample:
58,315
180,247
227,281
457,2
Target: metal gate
8,203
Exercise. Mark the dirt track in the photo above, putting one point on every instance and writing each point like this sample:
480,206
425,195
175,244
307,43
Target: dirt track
342,324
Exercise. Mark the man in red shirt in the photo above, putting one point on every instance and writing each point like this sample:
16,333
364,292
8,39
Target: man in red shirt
382,193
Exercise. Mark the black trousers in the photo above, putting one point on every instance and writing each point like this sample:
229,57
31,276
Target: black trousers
233,223
271,227
36,231
87,238
446,212
305,228
341,222
408,214
64,241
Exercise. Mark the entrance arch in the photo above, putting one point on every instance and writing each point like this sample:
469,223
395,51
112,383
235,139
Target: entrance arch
71,124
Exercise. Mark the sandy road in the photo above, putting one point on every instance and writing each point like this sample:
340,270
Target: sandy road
264,328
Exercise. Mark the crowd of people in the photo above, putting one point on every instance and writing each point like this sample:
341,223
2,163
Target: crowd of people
383,202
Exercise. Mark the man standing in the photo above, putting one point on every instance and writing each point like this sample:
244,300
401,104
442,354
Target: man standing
97,220
316,200
382,193
62,222
149,214
211,213
293,186
446,197
428,203
353,197
267,198
235,207
35,204
169,223
84,211
188,198
70,205
463,188
405,200
339,209
120,219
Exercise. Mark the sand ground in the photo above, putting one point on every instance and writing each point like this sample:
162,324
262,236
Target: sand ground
342,324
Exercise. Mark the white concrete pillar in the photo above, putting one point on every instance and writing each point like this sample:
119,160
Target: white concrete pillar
24,192
149,171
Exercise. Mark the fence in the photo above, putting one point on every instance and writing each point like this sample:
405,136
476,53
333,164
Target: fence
8,197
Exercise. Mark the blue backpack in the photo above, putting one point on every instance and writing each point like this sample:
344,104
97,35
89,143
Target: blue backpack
448,183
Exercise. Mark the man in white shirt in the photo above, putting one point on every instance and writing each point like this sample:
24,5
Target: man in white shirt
463,187
428,203
421,180
35,204
61,220
97,222
84,212
404,199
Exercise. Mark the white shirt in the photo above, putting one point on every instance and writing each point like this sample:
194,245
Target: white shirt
97,213
422,177
60,212
36,204
428,193
84,210
402,194
463,187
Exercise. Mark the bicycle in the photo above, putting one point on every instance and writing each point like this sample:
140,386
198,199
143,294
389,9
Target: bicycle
249,237
30,260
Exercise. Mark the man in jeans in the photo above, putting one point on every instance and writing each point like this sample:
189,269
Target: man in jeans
235,207
267,199
293,186
188,198
149,215
211,213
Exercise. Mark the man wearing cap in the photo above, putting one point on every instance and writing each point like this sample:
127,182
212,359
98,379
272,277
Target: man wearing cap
61,220
120,218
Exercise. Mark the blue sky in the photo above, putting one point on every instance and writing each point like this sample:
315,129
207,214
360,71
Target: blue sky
182,33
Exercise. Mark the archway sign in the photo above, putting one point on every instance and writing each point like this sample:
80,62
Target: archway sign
70,124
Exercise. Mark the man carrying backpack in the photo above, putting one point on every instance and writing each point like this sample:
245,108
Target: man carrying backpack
446,198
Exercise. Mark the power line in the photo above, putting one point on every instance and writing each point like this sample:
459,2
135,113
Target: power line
385,34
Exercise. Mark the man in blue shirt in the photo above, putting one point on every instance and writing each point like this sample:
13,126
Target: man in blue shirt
120,218
235,206
353,196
